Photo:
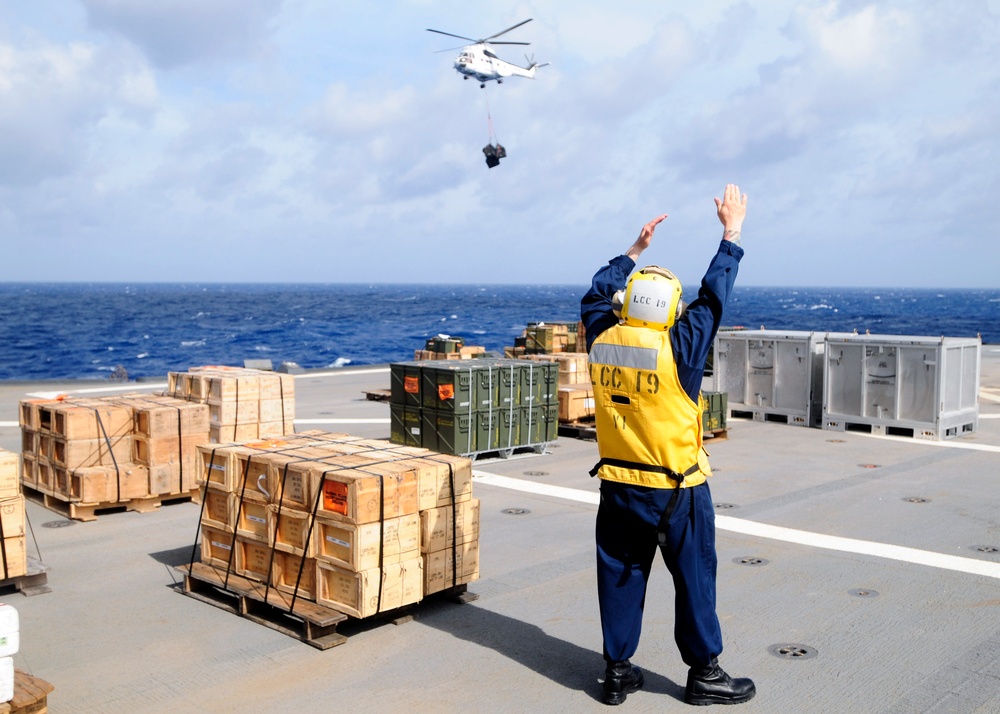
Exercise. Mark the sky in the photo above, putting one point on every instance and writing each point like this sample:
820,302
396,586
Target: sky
314,141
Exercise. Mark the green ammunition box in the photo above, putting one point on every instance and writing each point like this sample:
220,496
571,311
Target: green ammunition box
448,387
405,425
539,383
715,406
405,383
539,424
447,432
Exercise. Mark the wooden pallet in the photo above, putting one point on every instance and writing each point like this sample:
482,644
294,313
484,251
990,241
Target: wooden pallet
30,695
578,429
34,582
715,434
378,395
90,511
310,622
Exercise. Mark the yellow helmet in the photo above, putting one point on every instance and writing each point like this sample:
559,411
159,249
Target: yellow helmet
652,298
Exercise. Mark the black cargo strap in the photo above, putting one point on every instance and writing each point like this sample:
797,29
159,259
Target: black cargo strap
661,527
621,463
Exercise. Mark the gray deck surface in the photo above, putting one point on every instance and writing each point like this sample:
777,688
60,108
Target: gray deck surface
116,635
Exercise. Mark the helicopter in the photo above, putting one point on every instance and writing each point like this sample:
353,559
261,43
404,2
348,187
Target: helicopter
479,61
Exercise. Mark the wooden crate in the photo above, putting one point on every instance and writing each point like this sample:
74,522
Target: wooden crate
252,517
291,575
440,573
216,466
576,403
352,487
13,557
85,419
253,559
29,470
369,592
167,416
217,547
291,531
362,547
233,413
219,509
10,484
439,526
232,433
435,475
106,484
74,453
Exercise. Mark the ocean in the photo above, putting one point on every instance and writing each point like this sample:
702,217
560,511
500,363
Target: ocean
87,331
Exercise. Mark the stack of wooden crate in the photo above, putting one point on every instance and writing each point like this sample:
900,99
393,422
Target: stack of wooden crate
110,450
576,395
244,404
358,525
548,338
448,348
13,550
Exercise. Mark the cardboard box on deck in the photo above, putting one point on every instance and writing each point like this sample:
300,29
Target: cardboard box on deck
369,592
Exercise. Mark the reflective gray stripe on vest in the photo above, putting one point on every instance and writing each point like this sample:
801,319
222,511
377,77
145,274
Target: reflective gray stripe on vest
624,356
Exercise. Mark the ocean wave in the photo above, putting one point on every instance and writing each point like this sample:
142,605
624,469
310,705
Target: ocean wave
193,343
339,362
142,355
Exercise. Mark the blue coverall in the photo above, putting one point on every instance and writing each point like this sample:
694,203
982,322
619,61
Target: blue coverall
628,516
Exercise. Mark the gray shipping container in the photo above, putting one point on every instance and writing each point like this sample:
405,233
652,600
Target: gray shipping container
771,375
924,387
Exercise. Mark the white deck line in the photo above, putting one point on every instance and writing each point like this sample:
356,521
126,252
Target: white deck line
351,373
763,530
343,421
95,390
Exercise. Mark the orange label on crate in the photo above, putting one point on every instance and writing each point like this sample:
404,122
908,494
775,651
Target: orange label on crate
411,385
446,391
335,497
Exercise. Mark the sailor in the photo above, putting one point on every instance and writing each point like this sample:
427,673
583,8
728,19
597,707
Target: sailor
647,356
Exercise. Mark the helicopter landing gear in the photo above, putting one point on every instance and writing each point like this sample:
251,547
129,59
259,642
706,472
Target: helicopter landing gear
483,85
499,81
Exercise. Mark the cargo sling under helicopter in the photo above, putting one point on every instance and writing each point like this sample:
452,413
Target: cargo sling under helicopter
479,61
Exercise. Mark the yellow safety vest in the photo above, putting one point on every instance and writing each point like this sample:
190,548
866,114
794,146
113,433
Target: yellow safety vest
649,432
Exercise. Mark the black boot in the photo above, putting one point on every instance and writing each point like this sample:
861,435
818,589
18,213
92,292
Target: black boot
621,678
711,685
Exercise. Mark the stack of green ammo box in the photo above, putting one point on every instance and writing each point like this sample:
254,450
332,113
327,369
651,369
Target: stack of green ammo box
714,406
474,406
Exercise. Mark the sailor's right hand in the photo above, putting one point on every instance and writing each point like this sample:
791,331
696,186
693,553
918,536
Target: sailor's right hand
732,209
645,237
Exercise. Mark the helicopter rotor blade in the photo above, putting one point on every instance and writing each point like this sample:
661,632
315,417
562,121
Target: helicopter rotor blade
451,35
512,27
505,43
